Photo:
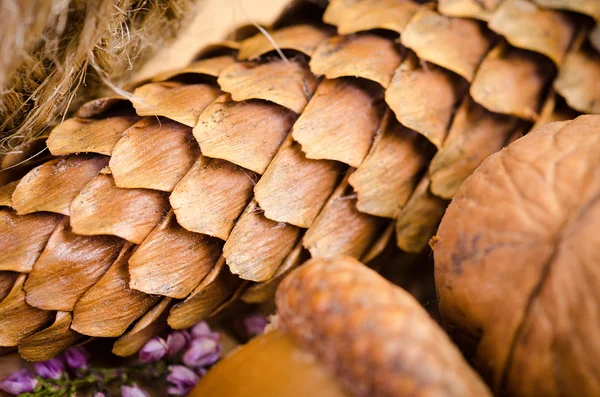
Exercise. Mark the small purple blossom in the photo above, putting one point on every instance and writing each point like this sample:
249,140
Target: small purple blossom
153,350
202,351
181,380
18,382
176,342
77,358
133,391
99,394
51,369
200,371
202,330
254,325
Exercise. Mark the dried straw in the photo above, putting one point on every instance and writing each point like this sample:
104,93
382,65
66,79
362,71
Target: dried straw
58,52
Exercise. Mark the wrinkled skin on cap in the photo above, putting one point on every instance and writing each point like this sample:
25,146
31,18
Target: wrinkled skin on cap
517,263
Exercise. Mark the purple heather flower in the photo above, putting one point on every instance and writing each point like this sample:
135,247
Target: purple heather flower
99,394
200,371
254,325
202,330
202,351
77,358
133,391
199,330
153,350
181,379
18,382
51,369
177,341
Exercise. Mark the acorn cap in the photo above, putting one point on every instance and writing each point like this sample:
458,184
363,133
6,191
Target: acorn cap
347,330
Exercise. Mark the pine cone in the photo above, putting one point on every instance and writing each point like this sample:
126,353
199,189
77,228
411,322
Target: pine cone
207,185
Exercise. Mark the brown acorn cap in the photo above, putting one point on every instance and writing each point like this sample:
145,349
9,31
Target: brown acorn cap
347,330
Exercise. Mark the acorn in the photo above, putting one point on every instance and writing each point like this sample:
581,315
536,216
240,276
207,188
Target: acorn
342,330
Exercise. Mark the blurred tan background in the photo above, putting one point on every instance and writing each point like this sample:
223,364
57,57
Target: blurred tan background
214,20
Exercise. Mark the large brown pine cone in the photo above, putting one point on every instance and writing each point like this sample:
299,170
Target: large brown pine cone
129,226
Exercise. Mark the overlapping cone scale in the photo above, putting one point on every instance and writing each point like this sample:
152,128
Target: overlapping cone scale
233,167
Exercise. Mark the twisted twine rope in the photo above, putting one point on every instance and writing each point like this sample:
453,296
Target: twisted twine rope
57,54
